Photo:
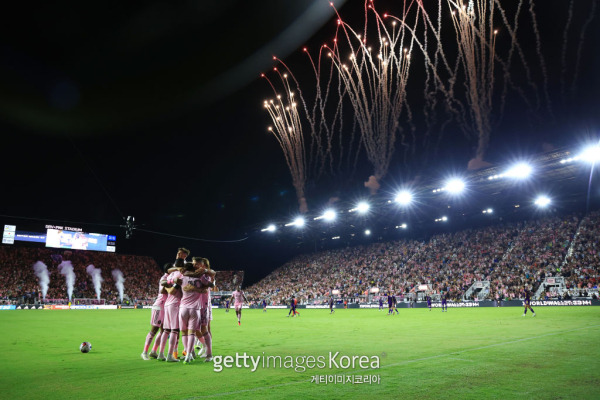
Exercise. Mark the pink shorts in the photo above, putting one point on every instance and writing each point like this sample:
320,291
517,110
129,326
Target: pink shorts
189,319
171,317
238,306
204,316
157,316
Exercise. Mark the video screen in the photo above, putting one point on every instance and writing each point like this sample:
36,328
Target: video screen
59,237
63,239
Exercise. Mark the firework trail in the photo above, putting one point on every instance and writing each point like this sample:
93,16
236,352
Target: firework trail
375,80
96,275
66,268
41,271
119,279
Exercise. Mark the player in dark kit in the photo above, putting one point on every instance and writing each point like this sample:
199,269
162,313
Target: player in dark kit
394,304
428,298
264,305
527,301
331,310
443,297
293,307
390,304
227,306
380,303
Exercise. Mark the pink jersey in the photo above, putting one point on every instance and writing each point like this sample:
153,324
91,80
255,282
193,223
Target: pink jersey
175,297
190,299
162,297
238,297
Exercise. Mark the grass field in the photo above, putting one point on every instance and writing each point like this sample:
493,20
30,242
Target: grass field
481,353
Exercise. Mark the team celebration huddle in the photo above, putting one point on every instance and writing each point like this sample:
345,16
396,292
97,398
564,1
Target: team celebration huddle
183,306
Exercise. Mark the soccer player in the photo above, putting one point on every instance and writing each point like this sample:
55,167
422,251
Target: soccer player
390,304
527,301
443,297
238,301
428,298
264,304
331,310
156,318
189,310
227,305
380,303
171,321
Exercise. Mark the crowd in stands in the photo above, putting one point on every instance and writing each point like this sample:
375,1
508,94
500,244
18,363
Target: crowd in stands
508,256
21,284
141,274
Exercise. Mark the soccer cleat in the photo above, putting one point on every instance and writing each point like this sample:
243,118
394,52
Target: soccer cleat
170,358
184,354
145,356
534,314
153,354
208,359
161,357
239,323
523,315
202,353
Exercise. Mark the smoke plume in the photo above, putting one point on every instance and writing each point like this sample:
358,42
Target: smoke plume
41,271
119,279
96,275
66,268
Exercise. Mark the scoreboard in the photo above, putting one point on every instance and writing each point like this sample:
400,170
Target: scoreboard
61,237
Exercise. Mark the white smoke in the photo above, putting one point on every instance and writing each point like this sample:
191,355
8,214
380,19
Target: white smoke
66,268
96,275
41,271
118,277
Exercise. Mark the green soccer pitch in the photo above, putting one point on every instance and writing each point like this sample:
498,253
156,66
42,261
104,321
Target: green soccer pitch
485,353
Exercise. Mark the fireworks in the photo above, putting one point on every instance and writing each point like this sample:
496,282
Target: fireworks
472,60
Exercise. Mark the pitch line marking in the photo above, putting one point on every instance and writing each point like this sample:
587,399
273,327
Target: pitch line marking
397,364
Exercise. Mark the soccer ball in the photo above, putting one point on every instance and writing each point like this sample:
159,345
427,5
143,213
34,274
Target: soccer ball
85,347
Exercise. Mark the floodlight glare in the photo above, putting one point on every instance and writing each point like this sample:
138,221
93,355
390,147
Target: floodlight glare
368,232
455,186
542,201
329,215
362,207
270,228
519,171
404,198
299,222
591,154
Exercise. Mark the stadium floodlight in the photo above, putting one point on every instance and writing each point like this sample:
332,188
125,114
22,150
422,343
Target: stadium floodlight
519,171
591,154
270,228
404,198
362,207
298,222
542,201
329,215
488,211
455,185
367,232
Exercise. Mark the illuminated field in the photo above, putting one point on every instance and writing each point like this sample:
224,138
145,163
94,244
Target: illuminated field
464,353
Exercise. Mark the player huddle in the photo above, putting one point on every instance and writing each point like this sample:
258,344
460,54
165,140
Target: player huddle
183,306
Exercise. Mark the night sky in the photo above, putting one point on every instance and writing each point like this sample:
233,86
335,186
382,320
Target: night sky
155,110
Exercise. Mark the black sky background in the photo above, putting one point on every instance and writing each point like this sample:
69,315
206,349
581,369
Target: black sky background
155,110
